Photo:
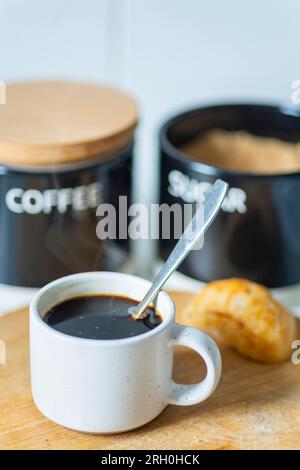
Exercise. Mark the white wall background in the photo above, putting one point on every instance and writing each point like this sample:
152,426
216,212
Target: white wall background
168,53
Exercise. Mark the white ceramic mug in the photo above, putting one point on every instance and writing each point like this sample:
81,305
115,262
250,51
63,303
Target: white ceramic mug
106,386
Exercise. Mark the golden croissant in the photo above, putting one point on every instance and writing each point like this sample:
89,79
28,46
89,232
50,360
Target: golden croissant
243,315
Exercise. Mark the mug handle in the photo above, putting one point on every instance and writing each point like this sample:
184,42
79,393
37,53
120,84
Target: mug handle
186,395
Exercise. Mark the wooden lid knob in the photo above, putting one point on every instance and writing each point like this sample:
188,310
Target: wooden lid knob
46,123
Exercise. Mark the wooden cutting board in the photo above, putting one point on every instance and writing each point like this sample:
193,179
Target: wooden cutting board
256,406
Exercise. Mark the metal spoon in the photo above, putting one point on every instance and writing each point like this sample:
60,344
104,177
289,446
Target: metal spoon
201,220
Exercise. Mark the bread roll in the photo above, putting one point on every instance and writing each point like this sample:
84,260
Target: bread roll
243,315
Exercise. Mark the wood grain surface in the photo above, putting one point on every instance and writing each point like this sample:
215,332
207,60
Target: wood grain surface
47,123
256,406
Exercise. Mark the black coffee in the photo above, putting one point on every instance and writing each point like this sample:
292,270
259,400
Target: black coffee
99,317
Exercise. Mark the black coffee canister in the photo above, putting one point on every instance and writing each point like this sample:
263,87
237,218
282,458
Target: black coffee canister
257,233
65,148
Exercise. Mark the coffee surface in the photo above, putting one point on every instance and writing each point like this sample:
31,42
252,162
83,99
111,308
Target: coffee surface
241,151
99,317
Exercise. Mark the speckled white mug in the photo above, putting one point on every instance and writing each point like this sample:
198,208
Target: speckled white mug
108,386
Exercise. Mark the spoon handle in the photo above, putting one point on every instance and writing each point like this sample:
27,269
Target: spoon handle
192,234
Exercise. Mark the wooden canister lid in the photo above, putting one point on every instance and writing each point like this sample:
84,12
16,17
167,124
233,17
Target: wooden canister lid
46,123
